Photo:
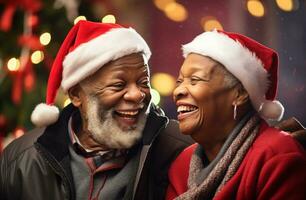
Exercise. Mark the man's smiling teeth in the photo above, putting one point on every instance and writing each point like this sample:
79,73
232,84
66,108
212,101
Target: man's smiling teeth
186,108
128,113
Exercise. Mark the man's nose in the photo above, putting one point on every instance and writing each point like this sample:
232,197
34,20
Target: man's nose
134,94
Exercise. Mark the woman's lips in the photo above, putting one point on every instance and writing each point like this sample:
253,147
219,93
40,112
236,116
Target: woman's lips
183,115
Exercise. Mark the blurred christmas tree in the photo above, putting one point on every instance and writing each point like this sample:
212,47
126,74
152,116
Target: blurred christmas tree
31,32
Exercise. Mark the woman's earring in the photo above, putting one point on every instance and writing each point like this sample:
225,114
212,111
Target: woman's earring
235,111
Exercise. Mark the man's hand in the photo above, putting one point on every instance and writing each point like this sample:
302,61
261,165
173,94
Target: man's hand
297,130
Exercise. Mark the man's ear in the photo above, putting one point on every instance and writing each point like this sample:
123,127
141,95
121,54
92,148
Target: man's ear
242,96
75,95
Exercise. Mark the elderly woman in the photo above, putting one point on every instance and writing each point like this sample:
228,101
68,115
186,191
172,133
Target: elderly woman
225,98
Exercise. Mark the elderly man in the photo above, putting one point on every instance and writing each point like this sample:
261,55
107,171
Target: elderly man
110,142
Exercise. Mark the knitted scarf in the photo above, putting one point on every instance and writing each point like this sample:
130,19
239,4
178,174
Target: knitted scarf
206,182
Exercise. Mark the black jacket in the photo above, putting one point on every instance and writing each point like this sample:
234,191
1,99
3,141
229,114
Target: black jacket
37,165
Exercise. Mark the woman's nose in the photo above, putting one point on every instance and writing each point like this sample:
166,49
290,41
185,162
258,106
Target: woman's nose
179,92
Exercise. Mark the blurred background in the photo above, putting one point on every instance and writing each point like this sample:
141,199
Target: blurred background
31,32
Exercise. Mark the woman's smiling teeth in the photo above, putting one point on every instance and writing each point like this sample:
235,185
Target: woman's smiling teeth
186,108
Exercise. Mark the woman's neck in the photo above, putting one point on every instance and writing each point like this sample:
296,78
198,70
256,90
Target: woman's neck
213,140
212,151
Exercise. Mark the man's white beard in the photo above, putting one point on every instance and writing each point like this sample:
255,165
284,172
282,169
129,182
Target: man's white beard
105,130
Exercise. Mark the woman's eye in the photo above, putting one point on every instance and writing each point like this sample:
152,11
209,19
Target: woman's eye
193,81
179,81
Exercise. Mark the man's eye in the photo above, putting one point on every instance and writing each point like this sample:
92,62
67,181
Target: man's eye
118,85
145,83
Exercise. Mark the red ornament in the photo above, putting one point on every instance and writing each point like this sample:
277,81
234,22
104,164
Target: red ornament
32,21
6,18
17,88
30,41
29,81
10,8
29,76
27,5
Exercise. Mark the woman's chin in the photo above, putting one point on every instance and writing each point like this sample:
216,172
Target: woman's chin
186,130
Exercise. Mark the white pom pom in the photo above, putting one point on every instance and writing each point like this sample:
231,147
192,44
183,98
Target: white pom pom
44,115
271,110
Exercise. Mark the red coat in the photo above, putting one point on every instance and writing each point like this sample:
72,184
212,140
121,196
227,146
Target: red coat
273,168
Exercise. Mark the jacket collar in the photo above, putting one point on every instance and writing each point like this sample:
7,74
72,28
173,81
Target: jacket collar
156,120
55,138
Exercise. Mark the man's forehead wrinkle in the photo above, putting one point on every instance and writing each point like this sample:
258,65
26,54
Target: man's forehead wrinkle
120,68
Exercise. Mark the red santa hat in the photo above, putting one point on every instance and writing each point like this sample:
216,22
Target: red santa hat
87,47
253,64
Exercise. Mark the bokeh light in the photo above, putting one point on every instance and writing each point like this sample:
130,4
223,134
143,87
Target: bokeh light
79,18
37,57
155,96
45,38
210,23
176,12
287,5
162,4
109,19
18,132
163,83
13,64
256,8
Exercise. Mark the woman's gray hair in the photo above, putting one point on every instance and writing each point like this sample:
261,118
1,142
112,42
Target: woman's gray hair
229,79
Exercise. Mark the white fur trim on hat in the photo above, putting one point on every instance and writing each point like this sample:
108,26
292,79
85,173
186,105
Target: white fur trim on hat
238,60
44,115
87,58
